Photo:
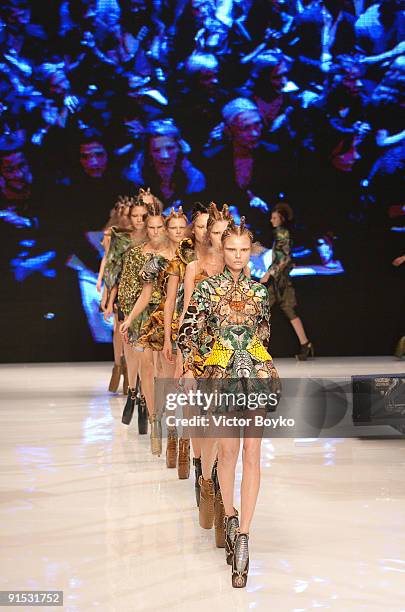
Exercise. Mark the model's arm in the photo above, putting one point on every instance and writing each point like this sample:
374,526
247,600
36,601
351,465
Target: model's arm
171,295
193,324
263,323
140,305
384,140
189,283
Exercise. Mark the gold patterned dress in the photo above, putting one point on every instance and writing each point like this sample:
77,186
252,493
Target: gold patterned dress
130,287
233,320
152,332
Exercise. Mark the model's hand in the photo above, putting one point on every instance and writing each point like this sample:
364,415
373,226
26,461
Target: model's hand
168,352
108,312
188,382
264,279
125,326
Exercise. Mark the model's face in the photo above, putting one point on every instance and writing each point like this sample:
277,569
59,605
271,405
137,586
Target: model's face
176,229
93,159
200,228
155,228
15,172
279,77
276,219
216,234
237,250
246,129
164,152
138,214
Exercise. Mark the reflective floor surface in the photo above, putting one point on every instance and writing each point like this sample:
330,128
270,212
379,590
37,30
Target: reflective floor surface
85,508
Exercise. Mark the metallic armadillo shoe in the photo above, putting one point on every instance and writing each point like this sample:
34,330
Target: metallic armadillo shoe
240,561
183,464
231,526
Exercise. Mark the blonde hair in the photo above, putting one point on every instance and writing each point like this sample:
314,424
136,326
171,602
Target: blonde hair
216,215
179,214
156,205
237,230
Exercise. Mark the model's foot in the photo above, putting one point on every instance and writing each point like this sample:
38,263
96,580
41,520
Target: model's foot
231,526
115,378
155,436
198,473
183,464
171,449
129,407
307,350
142,415
219,515
240,561
207,498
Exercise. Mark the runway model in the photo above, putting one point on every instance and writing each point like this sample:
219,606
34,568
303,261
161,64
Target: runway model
119,222
208,493
281,290
126,257
236,311
150,305
189,249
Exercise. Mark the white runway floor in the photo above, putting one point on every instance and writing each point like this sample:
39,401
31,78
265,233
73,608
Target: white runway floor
86,509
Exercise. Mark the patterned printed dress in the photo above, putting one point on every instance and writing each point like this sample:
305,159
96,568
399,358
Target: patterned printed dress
152,332
233,318
281,290
185,254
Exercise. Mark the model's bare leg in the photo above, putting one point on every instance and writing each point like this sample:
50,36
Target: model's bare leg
118,344
299,330
209,452
133,363
250,481
148,379
228,451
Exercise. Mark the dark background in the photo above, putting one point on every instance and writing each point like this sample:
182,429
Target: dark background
86,73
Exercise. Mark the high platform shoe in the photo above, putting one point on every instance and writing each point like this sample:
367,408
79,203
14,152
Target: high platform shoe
307,350
207,499
198,473
124,372
183,462
129,407
142,415
231,526
219,515
171,448
115,378
155,436
240,561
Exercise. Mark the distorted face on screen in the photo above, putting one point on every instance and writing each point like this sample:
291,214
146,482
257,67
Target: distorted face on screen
279,77
164,151
200,228
345,155
59,84
276,219
93,159
352,81
15,173
246,129
208,79
237,251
